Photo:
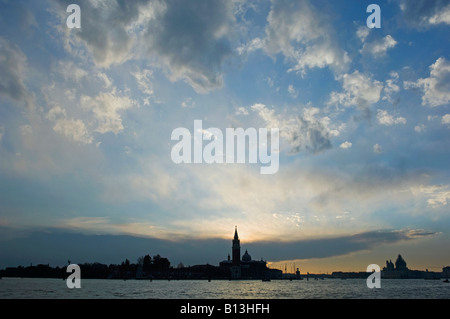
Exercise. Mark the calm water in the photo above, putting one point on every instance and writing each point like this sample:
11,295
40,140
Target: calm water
312,289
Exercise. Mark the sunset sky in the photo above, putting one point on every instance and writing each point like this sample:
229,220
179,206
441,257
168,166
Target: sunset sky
86,117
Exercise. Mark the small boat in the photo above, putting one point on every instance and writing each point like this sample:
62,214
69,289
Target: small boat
265,279
446,280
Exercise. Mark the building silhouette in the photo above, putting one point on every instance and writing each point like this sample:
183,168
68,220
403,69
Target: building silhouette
400,263
399,270
245,267
236,253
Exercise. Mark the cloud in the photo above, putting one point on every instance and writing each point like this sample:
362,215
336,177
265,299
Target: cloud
74,129
302,200
391,87
153,182
252,45
436,88
106,29
188,103
143,79
423,13
346,145
420,128
377,148
362,32
378,48
241,111
336,246
106,108
445,119
384,118
189,40
70,71
13,65
82,100
359,90
304,36
115,248
439,195
292,91
303,131
192,40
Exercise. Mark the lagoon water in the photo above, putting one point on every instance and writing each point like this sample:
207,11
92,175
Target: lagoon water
33,288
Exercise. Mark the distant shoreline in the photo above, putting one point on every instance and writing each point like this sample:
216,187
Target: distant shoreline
175,274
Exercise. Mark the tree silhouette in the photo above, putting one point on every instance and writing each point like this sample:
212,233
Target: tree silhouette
147,263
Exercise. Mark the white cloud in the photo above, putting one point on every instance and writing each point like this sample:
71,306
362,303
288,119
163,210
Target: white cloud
106,108
241,111
378,48
359,90
253,45
70,71
439,195
385,118
107,81
188,103
442,16
304,36
391,87
377,148
346,145
74,129
436,88
292,91
363,33
445,119
420,128
143,79
426,12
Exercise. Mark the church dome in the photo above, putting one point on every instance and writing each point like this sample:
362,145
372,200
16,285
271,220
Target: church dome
246,257
400,263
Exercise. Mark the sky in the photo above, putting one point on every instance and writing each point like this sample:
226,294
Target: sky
87,114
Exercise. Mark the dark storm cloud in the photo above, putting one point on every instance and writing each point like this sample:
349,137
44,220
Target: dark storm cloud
57,246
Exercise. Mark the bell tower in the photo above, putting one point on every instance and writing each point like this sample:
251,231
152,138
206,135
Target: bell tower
236,257
236,249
